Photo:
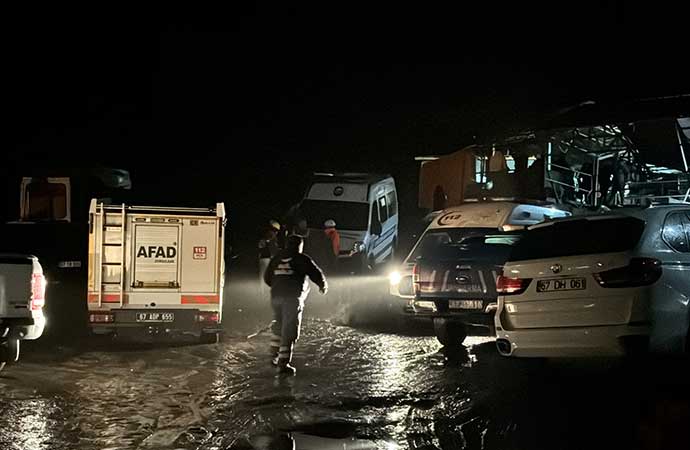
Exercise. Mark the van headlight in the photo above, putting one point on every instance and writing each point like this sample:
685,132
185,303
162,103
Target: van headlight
358,247
394,278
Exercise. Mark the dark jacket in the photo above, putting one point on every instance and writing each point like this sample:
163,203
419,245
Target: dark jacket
288,275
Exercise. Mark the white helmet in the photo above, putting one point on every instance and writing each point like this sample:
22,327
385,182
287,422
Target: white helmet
330,223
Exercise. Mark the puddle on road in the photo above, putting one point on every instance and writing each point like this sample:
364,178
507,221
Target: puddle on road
302,441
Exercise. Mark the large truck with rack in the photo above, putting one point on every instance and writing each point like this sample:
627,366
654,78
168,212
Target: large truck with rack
155,272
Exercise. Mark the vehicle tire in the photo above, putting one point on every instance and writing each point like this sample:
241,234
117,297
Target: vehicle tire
449,334
209,338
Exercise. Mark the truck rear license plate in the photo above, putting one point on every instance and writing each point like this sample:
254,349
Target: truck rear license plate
155,317
566,284
465,304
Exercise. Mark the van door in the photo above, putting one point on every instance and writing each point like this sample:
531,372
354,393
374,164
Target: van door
383,243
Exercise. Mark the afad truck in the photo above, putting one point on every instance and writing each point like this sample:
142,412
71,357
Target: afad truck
155,272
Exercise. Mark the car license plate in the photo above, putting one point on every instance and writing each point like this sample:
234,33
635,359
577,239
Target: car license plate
465,304
562,284
155,317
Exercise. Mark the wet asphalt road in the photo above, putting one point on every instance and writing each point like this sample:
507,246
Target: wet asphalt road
366,379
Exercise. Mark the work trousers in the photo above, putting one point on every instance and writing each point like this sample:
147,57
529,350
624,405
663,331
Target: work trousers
287,319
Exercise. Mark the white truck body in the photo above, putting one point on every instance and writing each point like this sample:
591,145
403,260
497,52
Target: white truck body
22,297
155,270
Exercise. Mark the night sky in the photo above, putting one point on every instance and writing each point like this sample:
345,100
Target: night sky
245,115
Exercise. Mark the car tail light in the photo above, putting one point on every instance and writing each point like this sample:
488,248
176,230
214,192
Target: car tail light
207,317
511,286
640,272
416,287
38,291
101,317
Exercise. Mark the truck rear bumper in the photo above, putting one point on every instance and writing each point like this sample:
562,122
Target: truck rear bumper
144,333
140,325
25,328
429,307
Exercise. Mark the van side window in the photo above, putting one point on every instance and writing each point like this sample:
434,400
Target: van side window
383,210
392,204
676,232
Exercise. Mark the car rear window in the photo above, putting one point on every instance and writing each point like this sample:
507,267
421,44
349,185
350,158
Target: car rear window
465,243
579,237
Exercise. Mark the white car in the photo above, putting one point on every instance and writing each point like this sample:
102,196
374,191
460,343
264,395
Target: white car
580,286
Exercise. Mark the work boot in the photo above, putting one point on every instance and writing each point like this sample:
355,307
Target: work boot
274,361
286,369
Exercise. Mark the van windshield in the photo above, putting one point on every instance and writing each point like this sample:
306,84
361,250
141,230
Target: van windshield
461,243
347,215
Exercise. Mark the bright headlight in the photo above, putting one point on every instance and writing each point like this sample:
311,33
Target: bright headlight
395,278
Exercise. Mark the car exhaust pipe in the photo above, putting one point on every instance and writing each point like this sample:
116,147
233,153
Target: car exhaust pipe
504,347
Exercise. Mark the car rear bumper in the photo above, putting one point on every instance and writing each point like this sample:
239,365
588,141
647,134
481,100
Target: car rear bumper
613,340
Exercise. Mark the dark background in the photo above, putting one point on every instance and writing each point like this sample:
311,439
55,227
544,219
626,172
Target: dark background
246,114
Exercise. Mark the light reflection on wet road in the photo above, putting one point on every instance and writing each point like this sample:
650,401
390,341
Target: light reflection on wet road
357,387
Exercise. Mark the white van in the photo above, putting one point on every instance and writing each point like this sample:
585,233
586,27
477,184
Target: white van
497,216
365,209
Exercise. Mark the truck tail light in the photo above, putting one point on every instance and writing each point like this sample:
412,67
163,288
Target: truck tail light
207,317
416,287
38,291
101,317
511,286
640,272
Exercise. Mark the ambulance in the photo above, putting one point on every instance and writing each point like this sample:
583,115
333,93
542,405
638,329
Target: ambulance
155,272
364,207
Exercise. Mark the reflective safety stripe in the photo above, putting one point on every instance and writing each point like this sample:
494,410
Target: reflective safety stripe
200,299
106,298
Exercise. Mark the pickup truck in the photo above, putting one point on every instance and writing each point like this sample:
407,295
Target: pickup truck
22,297
455,281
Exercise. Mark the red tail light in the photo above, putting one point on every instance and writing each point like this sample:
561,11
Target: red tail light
207,317
511,286
38,291
640,272
416,288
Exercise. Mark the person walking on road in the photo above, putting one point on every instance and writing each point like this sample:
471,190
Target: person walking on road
288,275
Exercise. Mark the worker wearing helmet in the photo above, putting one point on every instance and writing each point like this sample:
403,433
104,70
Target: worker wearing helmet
288,275
333,236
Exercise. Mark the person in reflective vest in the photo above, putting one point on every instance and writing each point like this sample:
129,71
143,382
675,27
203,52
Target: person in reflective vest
288,275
